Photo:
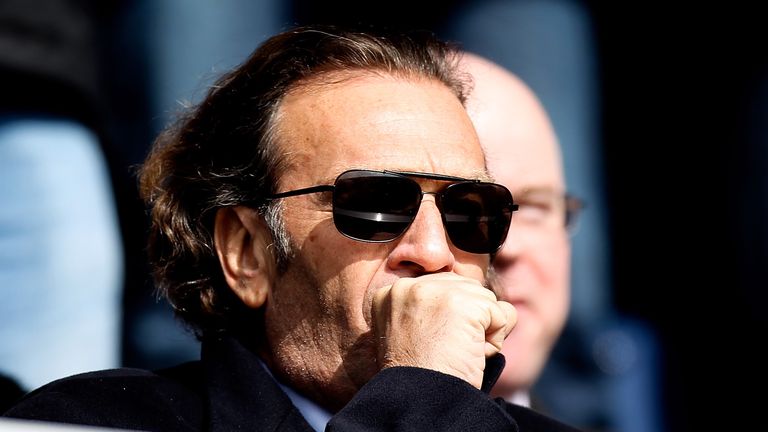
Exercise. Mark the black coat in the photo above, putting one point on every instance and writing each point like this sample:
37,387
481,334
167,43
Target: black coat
230,390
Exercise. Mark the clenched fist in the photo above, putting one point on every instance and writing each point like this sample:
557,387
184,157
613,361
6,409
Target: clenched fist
442,321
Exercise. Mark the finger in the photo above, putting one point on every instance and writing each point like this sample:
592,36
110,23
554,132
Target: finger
503,319
509,310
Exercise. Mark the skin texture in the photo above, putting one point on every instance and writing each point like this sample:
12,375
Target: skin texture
345,309
533,266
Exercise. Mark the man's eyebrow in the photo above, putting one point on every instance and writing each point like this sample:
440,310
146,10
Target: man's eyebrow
529,191
482,175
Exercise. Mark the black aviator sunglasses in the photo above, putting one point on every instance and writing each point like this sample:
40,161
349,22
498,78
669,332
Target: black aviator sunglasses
379,206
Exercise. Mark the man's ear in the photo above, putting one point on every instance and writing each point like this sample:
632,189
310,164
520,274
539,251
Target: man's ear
241,239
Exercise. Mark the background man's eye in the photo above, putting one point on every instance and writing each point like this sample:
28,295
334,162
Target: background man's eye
533,212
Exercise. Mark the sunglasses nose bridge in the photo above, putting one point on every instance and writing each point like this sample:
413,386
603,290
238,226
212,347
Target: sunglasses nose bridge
428,236
435,200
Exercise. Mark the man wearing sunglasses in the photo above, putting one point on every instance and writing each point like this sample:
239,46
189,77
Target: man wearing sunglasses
324,221
532,268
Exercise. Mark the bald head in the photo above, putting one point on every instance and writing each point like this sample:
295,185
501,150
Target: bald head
511,122
533,266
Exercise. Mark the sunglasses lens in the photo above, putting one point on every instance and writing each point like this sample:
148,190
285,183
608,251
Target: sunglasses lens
477,215
374,206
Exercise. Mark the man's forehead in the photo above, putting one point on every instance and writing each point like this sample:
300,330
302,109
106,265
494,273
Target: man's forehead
476,174
379,123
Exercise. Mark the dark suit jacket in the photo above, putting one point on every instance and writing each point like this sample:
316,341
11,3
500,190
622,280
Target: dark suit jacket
230,390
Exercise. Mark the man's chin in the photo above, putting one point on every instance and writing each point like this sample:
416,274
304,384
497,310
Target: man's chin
524,335
360,362
521,357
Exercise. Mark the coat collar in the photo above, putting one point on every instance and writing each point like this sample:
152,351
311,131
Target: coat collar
242,395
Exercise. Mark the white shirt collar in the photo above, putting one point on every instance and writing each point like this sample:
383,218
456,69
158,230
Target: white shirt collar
522,398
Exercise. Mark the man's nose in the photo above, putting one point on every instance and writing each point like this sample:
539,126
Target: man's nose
424,248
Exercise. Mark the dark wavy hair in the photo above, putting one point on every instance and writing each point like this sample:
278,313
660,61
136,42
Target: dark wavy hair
225,152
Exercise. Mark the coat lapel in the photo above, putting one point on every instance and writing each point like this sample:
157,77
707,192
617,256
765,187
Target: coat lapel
242,395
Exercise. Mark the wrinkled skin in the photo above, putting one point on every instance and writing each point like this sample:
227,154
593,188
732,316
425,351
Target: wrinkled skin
345,309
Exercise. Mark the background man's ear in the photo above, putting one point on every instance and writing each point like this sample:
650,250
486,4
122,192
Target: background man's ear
241,239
